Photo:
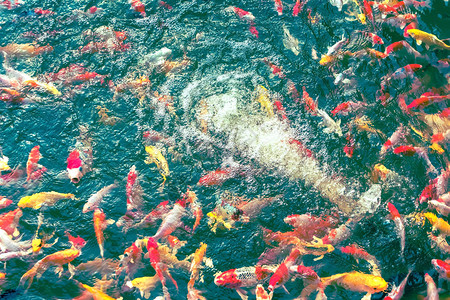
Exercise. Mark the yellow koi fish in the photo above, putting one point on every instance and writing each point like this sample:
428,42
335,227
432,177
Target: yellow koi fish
155,156
438,223
430,40
97,294
262,97
216,221
4,163
357,282
144,284
35,201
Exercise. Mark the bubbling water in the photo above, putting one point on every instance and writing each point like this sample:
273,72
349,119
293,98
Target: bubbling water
252,135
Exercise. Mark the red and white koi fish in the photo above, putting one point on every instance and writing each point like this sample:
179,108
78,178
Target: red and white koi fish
442,267
130,260
440,207
156,214
74,166
160,268
244,277
349,147
340,234
217,177
347,107
93,201
10,220
337,46
401,47
133,190
281,275
359,253
242,14
399,226
307,220
5,202
253,30
311,280
400,21
432,291
395,138
298,7
171,221
279,7
139,7
398,291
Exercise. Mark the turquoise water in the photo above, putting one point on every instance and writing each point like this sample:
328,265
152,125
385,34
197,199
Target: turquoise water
224,59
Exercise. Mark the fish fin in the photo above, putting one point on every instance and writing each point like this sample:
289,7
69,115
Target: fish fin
427,47
59,270
318,258
110,222
71,270
419,42
242,293
285,289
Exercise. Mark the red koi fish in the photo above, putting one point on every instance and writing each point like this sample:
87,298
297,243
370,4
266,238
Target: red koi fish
395,138
32,163
279,7
217,177
139,7
156,214
310,104
424,101
133,190
346,107
297,8
9,221
42,12
301,147
160,268
399,226
282,274
254,31
81,78
280,109
442,267
311,280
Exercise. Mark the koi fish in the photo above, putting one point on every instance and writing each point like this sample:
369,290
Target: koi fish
440,242
311,280
398,291
144,284
343,232
242,14
262,96
359,253
440,207
297,8
408,150
155,156
171,221
430,40
35,201
279,7
394,139
217,177
199,254
261,293
253,31
281,275
290,42
432,291
74,170
216,220
310,104
5,202
10,220
396,47
151,218
33,159
347,107
100,224
276,71
442,267
357,282
244,277
4,163
399,226
94,200
24,50
133,190
97,294
7,244
330,125
425,101
438,223
138,6
57,259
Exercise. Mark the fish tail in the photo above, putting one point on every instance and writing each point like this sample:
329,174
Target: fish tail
37,270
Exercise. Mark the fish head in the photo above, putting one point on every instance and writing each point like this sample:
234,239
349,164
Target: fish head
151,243
36,244
77,242
377,284
441,267
228,279
75,175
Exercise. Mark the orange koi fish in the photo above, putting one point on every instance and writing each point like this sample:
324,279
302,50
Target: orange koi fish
100,224
32,163
281,275
400,227
139,7
310,104
194,294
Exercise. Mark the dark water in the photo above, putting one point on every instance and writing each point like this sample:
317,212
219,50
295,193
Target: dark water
216,42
